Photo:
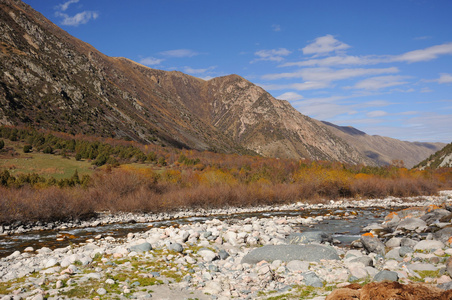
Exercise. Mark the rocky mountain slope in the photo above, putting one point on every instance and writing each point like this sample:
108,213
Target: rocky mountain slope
51,80
440,159
383,150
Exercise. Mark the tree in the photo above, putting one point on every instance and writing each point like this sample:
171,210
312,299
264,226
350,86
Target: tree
2,144
78,156
48,150
27,148
75,178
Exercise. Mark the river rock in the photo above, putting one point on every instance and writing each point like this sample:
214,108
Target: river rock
297,266
50,263
143,247
393,254
393,242
372,244
449,265
223,254
101,291
429,245
443,234
445,286
407,242
393,221
231,238
310,252
213,288
405,250
311,279
207,255
309,237
422,267
353,254
365,260
176,247
386,275
435,215
412,224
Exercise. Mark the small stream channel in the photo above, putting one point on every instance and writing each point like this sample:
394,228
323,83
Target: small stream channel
342,228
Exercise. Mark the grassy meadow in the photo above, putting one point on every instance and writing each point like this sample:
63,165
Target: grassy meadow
47,176
42,164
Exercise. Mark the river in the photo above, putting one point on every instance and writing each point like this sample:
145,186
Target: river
345,224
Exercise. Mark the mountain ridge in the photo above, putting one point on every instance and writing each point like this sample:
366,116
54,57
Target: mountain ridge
385,150
52,80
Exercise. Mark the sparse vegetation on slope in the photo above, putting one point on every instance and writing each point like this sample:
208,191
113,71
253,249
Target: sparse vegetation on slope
440,159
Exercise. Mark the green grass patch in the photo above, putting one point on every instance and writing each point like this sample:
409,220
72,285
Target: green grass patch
46,165
297,292
425,274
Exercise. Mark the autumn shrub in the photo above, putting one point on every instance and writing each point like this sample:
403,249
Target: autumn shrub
50,204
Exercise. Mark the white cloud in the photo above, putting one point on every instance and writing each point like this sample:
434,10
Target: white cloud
426,37
426,90
380,82
430,126
425,54
375,103
308,85
206,78
324,45
271,55
80,18
324,110
151,61
376,114
328,75
276,27
444,78
337,61
65,6
290,96
179,53
190,70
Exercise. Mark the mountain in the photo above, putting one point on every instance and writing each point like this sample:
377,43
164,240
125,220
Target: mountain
440,159
51,80
383,150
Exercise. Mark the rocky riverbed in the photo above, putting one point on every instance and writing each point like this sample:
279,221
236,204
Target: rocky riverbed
252,258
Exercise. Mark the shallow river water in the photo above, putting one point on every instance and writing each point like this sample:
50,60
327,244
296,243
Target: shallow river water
342,228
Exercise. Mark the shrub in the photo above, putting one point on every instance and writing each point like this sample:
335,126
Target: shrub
48,150
27,148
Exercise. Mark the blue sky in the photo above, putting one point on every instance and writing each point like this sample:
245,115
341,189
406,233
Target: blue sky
384,67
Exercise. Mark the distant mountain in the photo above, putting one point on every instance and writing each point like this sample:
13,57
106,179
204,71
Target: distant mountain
383,150
51,80
441,159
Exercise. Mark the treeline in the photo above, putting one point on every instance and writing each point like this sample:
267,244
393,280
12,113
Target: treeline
37,181
99,151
